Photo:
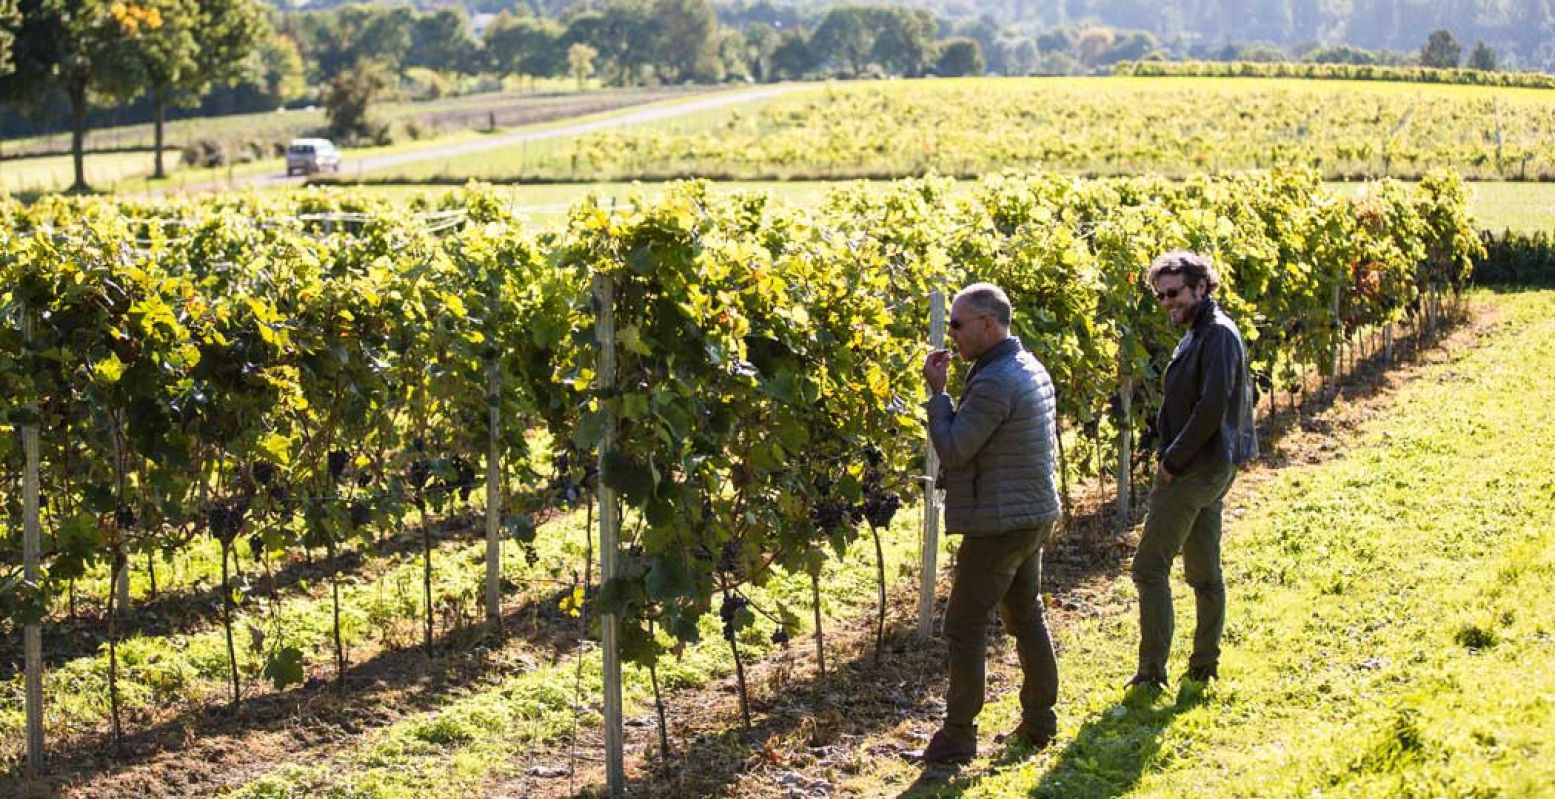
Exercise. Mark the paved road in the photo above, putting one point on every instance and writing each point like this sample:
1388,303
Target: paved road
353,166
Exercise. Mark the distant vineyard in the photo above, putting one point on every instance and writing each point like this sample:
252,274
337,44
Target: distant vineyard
302,375
1286,69
1096,126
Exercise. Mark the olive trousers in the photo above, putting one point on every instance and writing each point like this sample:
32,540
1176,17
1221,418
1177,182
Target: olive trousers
1005,571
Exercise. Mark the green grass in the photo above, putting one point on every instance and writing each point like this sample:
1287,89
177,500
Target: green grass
1390,632
56,172
1113,125
1499,205
381,607
1524,206
495,730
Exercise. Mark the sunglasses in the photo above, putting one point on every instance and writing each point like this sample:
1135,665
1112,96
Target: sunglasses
957,324
1169,294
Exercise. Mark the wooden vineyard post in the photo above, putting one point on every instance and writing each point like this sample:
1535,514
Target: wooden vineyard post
493,496
930,554
610,622
1125,442
1333,352
32,633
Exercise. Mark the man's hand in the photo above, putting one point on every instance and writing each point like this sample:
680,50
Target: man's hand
936,367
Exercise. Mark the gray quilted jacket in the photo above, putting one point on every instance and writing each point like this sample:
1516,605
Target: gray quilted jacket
996,447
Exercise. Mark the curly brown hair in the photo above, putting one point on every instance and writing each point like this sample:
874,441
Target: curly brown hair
1196,270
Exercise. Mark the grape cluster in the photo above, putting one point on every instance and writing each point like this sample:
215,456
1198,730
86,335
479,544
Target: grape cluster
226,518
729,558
780,636
829,513
360,514
264,472
879,508
338,460
731,606
419,473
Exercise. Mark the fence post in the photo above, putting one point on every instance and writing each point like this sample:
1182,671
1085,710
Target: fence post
610,622
32,632
493,495
930,554
1125,438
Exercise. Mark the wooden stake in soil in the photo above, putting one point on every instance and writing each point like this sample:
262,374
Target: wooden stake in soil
929,570
1125,449
610,623
658,702
880,585
820,638
32,547
493,497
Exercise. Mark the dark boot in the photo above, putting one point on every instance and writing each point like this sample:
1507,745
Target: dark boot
951,745
1028,736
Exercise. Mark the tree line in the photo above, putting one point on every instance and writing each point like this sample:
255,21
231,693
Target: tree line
1519,28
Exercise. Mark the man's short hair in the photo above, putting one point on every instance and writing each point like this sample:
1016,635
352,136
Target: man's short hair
986,298
1196,270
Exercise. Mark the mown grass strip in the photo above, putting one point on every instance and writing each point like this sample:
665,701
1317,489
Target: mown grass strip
524,718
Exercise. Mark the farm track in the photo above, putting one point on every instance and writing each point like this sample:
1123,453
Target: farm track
352,166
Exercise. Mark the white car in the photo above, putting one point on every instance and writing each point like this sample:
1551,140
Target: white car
307,156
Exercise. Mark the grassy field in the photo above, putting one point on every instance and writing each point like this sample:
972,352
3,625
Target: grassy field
1387,633
1111,125
55,172
435,122
1496,205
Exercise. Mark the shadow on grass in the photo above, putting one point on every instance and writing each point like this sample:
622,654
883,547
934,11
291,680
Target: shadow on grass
373,693
857,697
1106,758
191,609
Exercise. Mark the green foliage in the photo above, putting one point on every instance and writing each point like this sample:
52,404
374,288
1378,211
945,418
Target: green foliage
308,375
350,95
1517,259
1177,127
1441,51
959,57
1426,73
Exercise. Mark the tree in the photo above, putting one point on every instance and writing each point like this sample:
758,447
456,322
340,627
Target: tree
959,57
1482,57
845,37
441,40
1093,44
792,57
87,49
1021,56
349,98
525,46
761,41
200,43
1441,50
624,36
278,72
687,48
580,61
10,19
904,40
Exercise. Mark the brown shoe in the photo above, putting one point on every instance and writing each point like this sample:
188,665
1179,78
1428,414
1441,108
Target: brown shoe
951,745
1027,736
